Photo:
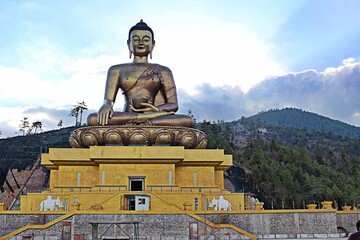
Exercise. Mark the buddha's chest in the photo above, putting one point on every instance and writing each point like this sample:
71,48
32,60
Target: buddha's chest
139,78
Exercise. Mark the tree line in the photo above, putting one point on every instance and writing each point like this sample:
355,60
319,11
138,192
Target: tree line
306,167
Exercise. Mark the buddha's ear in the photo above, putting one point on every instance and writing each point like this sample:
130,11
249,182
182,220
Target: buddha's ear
128,43
152,48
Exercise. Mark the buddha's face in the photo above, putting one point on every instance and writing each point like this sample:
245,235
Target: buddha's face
141,42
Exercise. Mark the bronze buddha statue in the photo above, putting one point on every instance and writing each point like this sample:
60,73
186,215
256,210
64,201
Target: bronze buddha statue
150,104
149,89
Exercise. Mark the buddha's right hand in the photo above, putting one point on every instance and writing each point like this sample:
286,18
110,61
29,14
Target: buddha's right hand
147,108
105,113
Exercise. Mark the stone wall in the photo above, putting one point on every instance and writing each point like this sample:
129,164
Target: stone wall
12,222
283,225
263,224
348,220
152,226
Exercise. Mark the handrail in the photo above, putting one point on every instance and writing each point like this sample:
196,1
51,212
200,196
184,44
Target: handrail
71,189
105,200
111,188
97,188
43,226
170,204
203,189
207,222
166,188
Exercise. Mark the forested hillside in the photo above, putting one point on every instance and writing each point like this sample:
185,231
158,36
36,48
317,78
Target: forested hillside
288,166
292,117
284,174
21,152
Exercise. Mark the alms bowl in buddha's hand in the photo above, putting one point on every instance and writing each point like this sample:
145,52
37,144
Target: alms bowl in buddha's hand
137,101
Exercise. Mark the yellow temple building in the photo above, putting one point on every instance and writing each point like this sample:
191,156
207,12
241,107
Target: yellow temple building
139,178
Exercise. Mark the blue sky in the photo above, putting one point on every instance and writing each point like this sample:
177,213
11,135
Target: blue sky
229,58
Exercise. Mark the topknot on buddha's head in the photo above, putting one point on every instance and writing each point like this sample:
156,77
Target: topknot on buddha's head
141,26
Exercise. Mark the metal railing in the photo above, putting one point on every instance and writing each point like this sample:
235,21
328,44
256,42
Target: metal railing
90,189
154,188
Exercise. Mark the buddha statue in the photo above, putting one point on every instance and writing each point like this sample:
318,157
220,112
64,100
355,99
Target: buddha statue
149,89
150,104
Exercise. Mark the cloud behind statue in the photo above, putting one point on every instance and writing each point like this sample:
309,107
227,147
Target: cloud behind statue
229,59
331,93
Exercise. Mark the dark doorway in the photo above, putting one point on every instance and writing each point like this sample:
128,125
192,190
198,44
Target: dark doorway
136,183
130,203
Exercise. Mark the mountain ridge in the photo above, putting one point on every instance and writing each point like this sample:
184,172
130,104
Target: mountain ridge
298,118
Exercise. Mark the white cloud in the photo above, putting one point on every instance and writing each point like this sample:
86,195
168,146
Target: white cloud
79,79
11,113
20,85
333,93
214,51
337,73
43,57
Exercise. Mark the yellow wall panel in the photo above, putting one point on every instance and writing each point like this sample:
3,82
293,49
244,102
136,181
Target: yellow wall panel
68,176
219,179
190,176
136,152
155,174
53,178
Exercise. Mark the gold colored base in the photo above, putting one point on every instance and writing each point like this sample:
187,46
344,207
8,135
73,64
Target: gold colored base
138,135
111,178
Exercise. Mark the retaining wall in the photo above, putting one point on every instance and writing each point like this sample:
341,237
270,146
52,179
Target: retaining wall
264,224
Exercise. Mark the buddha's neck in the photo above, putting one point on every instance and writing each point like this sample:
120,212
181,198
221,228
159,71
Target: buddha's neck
138,59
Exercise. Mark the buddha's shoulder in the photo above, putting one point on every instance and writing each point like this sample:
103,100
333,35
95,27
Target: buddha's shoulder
120,66
125,66
161,67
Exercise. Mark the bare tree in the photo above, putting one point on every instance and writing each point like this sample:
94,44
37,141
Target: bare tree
74,113
78,110
60,123
82,106
36,125
24,126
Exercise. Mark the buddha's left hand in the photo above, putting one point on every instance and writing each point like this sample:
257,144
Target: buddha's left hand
148,108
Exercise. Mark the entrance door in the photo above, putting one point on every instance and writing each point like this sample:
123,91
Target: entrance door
130,202
137,202
142,203
136,183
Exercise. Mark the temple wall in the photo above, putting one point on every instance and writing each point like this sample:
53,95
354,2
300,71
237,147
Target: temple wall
287,223
192,176
302,225
164,201
155,174
72,176
53,178
219,179
348,220
162,166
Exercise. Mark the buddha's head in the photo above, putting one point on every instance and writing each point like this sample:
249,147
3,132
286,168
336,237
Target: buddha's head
141,40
